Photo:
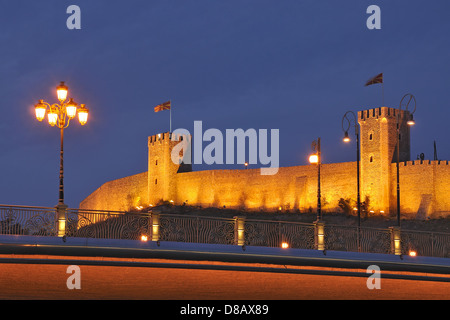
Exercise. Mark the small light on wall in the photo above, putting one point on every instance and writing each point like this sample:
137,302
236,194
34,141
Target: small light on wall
285,245
144,238
412,253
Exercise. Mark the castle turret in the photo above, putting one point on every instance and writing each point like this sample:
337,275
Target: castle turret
379,150
162,167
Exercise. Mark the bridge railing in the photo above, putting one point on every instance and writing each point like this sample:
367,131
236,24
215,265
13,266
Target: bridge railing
26,220
45,221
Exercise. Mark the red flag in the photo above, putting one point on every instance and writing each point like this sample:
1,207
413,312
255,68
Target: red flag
376,79
163,106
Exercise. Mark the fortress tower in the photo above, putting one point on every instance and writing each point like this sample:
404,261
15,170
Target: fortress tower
378,151
161,169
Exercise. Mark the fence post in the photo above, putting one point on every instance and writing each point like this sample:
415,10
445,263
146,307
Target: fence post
319,235
239,230
155,226
61,218
396,247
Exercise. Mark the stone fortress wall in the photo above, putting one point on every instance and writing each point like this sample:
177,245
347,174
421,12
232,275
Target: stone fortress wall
425,185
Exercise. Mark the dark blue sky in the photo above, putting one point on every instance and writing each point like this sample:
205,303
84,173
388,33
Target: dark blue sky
292,65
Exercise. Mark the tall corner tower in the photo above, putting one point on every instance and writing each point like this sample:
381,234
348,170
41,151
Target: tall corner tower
161,169
378,138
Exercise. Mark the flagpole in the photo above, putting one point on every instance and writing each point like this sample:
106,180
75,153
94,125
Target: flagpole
382,92
170,117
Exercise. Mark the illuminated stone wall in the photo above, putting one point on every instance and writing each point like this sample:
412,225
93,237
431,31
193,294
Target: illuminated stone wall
425,186
291,188
425,189
119,195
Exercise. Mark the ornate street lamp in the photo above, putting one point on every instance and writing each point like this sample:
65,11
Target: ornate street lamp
345,128
59,115
315,158
410,122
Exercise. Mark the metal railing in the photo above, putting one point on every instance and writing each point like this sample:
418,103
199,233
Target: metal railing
107,224
352,238
273,233
43,221
432,244
25,220
196,229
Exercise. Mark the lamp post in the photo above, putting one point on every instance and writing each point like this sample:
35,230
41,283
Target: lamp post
315,158
59,115
346,140
409,122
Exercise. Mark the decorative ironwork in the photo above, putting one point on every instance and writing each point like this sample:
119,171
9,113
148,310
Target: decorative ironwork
425,243
196,229
36,221
375,240
273,233
107,225
343,238
41,221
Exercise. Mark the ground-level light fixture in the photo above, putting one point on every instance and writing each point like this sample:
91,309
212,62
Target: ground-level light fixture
412,253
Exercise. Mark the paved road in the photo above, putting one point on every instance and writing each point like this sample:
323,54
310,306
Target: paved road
48,281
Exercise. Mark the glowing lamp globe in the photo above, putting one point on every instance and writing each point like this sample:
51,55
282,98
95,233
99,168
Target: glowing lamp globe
52,118
40,110
71,109
346,137
61,91
83,113
314,158
411,121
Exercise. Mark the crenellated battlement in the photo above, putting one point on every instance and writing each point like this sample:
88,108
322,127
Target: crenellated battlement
380,112
423,163
164,137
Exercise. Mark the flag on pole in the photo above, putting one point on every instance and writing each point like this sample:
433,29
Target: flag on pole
374,80
163,106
